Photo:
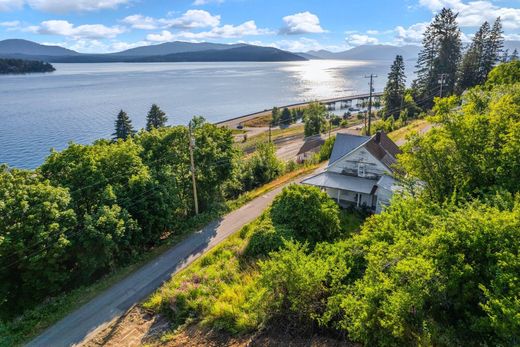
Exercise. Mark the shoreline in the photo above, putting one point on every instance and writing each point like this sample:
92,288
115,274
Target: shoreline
235,121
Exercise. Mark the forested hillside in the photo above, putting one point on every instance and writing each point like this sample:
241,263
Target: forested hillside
19,66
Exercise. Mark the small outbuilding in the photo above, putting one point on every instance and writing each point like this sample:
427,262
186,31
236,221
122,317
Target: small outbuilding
311,146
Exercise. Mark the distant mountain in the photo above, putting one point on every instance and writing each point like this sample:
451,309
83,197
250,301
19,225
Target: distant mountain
323,54
166,52
370,52
242,53
14,47
173,48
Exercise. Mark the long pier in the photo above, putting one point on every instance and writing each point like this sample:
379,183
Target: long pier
234,122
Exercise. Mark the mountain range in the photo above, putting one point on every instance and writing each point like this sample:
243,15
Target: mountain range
178,51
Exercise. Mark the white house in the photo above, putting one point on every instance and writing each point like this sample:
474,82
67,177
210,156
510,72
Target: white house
360,171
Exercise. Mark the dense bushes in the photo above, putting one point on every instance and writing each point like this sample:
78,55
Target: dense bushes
90,209
474,149
310,213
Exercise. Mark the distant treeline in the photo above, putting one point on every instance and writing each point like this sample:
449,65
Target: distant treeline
18,66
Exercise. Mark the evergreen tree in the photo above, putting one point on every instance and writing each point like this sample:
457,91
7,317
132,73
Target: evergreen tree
156,118
505,56
492,49
440,55
514,56
124,128
286,117
472,71
275,115
395,87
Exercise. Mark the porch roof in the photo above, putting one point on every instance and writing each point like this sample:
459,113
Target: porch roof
338,181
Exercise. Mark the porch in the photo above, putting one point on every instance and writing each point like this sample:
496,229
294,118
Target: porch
346,190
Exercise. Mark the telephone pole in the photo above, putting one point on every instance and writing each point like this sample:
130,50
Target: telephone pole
372,76
194,181
442,80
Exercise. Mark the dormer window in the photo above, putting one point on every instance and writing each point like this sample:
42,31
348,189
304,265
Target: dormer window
361,170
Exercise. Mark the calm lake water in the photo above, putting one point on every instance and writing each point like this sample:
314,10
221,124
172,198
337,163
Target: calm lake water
79,102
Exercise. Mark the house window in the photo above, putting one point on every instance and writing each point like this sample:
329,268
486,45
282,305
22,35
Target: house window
361,170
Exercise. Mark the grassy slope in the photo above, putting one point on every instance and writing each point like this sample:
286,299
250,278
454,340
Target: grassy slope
217,290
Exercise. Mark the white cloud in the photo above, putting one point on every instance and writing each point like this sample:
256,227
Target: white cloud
302,23
9,5
411,35
474,13
138,21
164,36
360,39
10,24
194,19
226,31
205,2
191,19
86,31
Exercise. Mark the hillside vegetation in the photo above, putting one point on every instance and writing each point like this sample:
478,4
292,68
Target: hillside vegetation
19,66
439,267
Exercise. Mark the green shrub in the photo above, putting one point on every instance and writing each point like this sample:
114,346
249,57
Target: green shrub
266,238
309,212
326,149
294,283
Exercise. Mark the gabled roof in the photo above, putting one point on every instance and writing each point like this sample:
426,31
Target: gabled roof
379,145
344,144
311,143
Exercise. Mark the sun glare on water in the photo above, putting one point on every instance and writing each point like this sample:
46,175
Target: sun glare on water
320,79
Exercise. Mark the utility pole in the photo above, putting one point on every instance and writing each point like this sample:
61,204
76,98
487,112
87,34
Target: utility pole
372,76
194,181
442,80
270,125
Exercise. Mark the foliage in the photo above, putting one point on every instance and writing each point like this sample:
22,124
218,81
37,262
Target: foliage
286,117
481,56
123,126
264,166
314,119
156,118
428,267
326,148
503,74
19,66
473,149
91,209
35,247
440,55
308,212
266,239
395,88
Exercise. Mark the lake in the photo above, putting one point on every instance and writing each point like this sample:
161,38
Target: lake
79,102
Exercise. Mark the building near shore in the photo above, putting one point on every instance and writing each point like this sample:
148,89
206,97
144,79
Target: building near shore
311,146
360,171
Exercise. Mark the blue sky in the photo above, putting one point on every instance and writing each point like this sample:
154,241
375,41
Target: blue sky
296,25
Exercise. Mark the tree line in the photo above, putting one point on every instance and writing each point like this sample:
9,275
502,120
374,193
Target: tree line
90,209
444,68
20,66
